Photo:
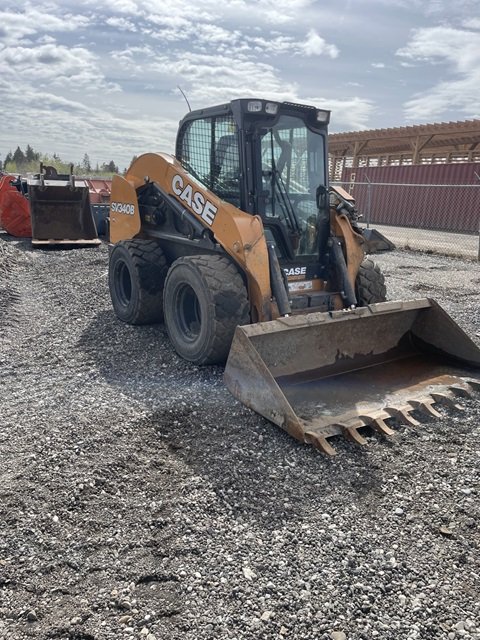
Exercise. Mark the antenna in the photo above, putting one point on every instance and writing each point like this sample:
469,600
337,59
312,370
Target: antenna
186,100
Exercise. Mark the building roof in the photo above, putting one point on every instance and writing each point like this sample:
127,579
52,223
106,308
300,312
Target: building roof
443,137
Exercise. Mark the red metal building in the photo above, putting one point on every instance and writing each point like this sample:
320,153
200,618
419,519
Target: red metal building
425,176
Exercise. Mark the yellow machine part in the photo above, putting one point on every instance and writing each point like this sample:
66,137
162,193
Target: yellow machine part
240,234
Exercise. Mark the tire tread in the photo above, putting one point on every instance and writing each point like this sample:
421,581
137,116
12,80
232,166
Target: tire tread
370,283
220,278
150,270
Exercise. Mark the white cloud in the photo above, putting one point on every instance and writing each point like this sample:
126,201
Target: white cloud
459,47
459,50
46,40
217,78
430,8
280,11
348,114
55,65
460,95
16,25
378,65
315,45
131,57
62,59
472,23
275,45
121,23
114,6
72,128
172,21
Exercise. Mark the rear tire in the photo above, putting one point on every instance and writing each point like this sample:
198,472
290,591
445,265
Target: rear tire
136,276
204,300
370,284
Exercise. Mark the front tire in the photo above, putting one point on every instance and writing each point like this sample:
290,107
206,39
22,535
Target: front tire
204,300
370,284
136,275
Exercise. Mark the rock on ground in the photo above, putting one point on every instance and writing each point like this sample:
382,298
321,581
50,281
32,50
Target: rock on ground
139,500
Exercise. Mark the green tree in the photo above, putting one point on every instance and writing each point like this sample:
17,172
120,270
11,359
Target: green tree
55,161
110,167
86,165
31,155
19,157
8,164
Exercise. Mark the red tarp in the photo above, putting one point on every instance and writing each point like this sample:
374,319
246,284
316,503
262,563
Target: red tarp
14,209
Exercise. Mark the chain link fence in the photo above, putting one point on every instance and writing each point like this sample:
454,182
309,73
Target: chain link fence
438,218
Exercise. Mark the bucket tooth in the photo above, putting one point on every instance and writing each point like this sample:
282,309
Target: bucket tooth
320,442
459,391
378,423
475,384
403,415
351,432
443,398
425,406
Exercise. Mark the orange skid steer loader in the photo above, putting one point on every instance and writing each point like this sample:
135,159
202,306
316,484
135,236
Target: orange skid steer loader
239,245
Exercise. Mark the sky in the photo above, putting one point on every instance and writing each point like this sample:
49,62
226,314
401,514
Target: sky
103,77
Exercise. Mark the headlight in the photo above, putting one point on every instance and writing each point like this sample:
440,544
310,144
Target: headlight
271,108
323,116
254,106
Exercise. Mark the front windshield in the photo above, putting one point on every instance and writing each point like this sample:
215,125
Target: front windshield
292,168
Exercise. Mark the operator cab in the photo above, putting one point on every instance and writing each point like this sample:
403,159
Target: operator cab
268,159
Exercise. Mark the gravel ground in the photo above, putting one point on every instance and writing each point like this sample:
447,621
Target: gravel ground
139,500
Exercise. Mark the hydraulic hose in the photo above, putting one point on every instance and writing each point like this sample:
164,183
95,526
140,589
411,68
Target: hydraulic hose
277,283
347,291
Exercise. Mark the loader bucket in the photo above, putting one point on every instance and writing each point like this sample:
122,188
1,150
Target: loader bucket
61,214
327,374
376,242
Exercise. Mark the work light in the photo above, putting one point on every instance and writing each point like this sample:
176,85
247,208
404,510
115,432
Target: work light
271,108
254,106
323,116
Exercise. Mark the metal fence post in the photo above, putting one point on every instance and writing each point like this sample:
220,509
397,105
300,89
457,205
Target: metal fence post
369,201
478,256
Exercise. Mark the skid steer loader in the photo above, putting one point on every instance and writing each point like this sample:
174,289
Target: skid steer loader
238,244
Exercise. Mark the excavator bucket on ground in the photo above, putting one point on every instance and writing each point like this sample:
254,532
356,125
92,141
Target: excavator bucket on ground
60,211
328,374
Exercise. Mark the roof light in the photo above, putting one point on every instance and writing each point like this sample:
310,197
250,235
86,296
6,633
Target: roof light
323,116
271,108
254,106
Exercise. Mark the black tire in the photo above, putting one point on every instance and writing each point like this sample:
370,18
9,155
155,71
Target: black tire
204,300
136,276
370,284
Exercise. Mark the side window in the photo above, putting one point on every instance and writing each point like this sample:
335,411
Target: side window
195,149
226,183
208,150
